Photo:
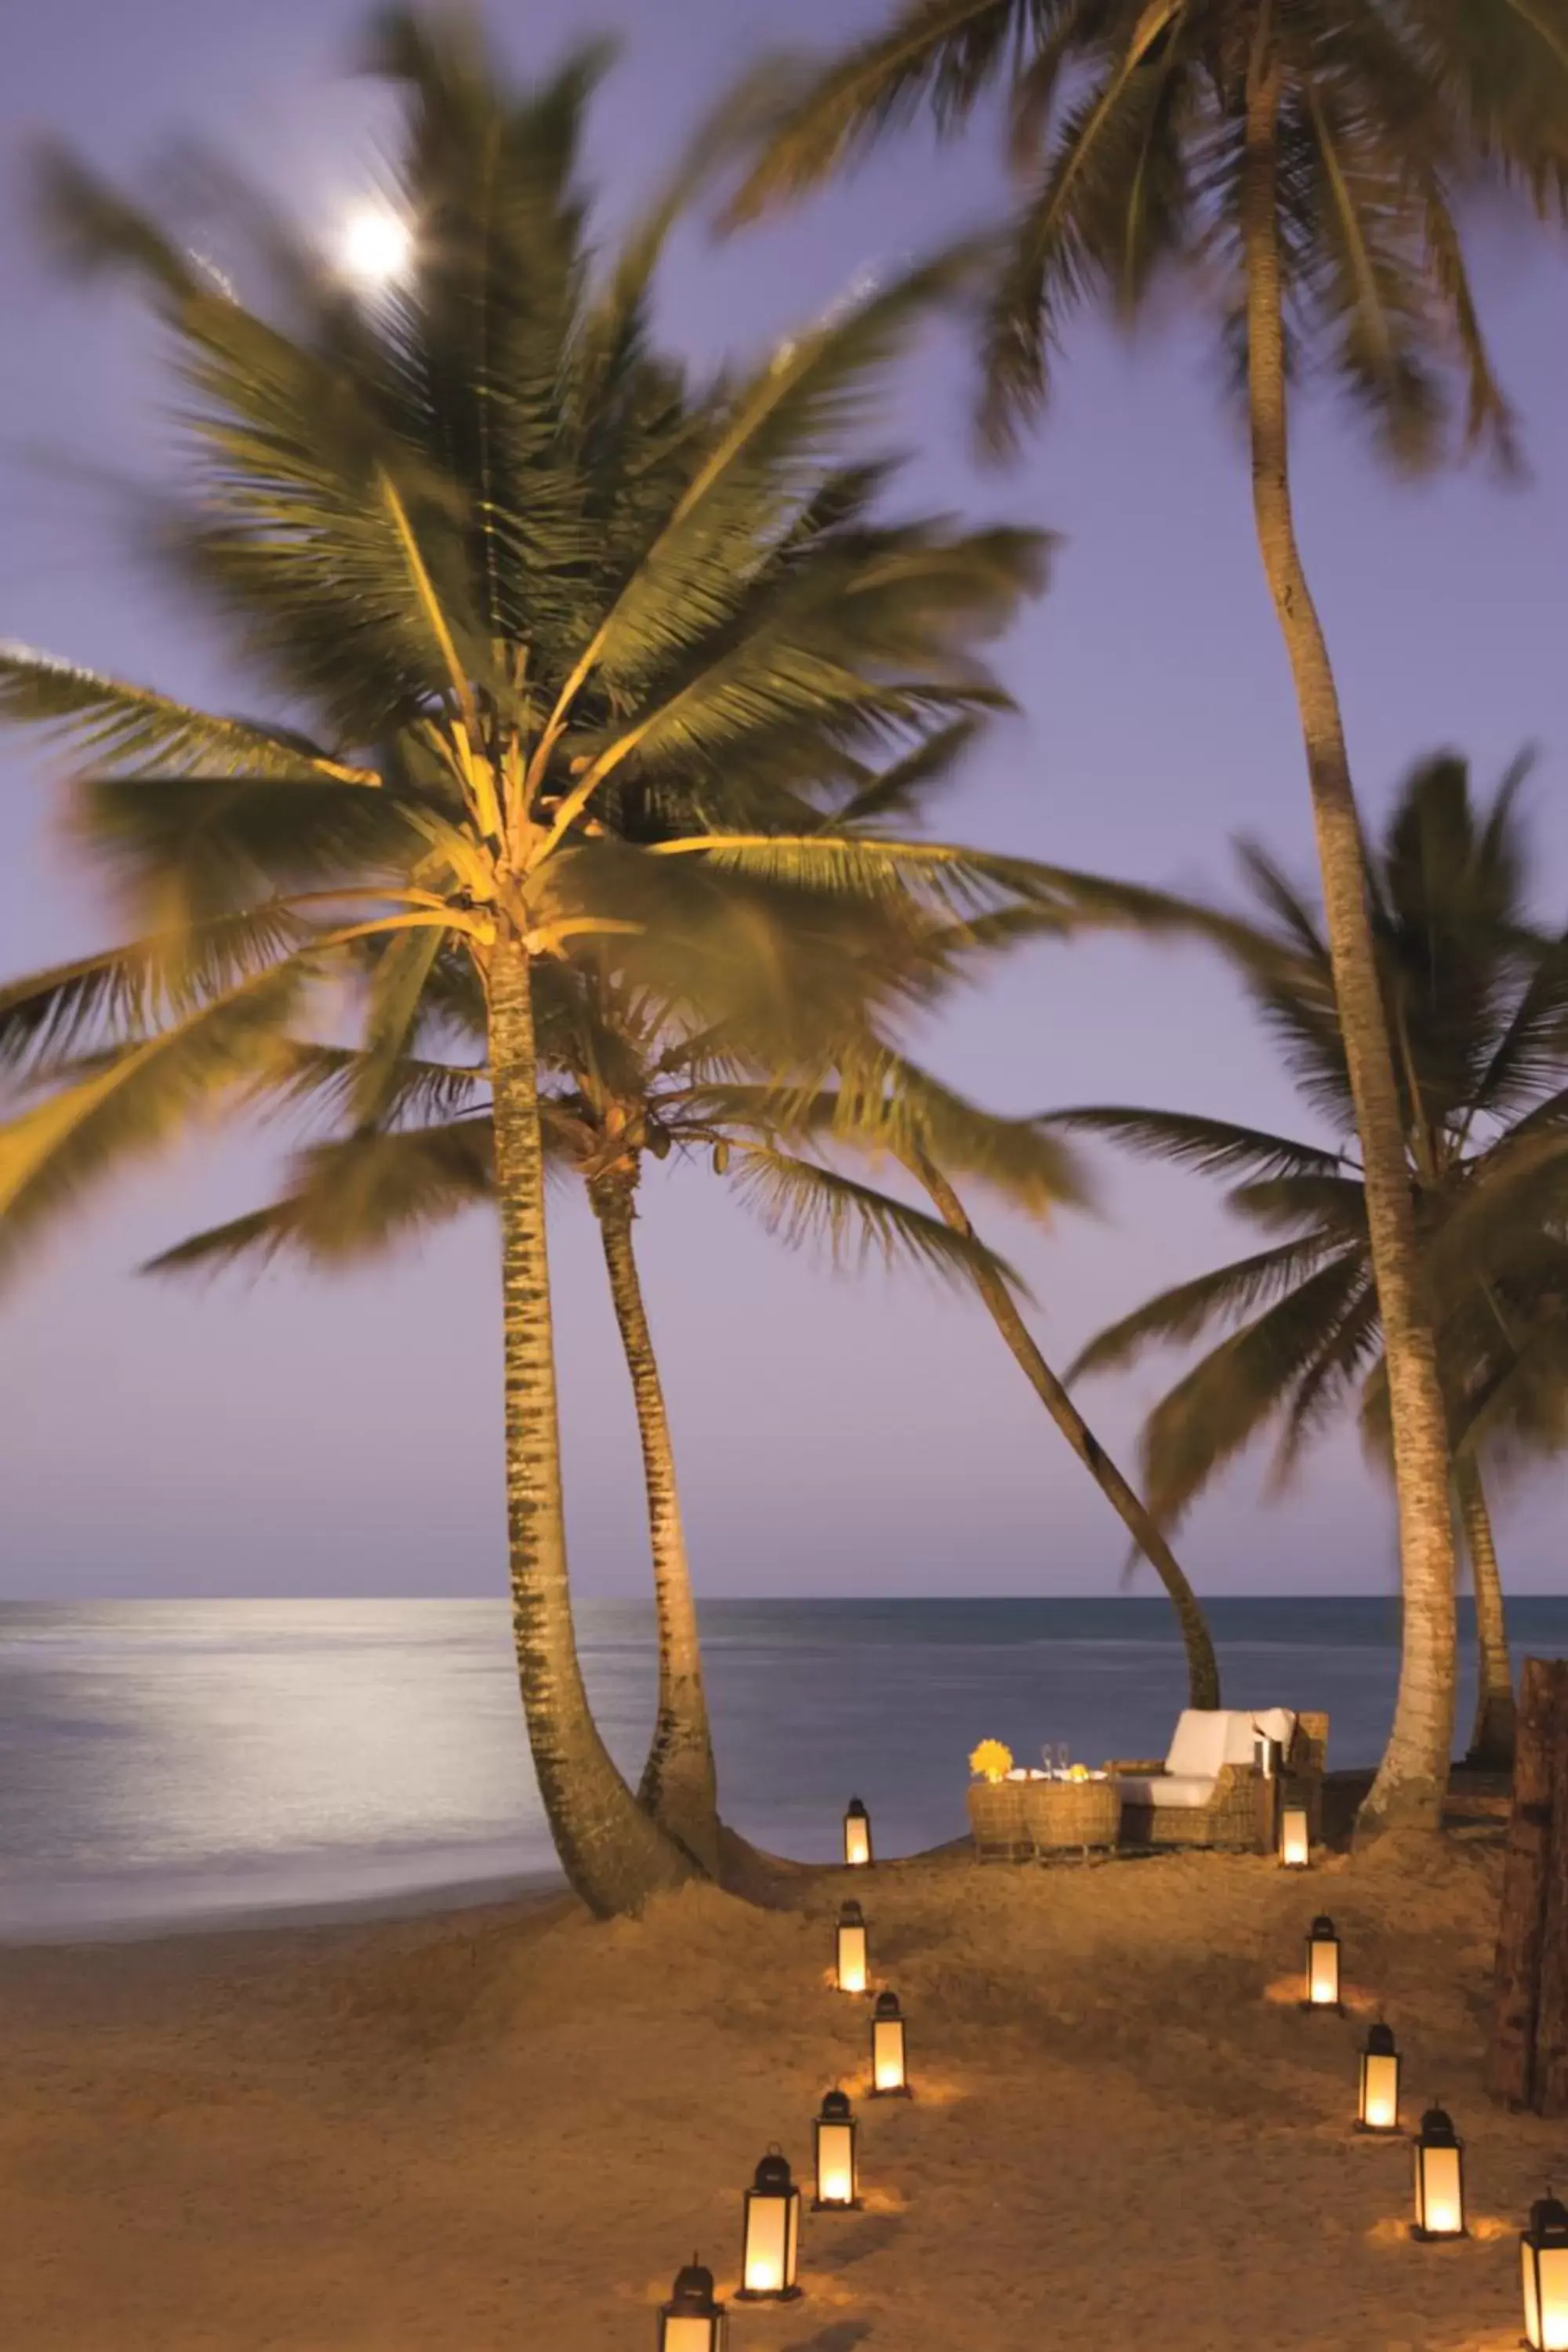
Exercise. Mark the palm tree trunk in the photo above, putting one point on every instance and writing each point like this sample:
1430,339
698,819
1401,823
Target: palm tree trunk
1202,1667
679,1788
613,1853
1412,1775
1492,1740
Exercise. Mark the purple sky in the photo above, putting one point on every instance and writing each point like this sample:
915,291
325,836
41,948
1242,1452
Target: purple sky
837,1434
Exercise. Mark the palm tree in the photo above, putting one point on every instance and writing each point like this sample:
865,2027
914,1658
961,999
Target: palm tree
1476,1005
1303,161
888,1108
613,1091
551,635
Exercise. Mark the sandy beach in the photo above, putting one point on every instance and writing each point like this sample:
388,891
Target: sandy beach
508,2127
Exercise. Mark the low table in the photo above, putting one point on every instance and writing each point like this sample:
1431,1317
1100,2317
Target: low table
1013,1820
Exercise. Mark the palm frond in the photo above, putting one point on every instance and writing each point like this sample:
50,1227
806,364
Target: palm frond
938,52
353,1199
1214,1147
1228,1398
1184,1312
805,1203
114,724
131,1103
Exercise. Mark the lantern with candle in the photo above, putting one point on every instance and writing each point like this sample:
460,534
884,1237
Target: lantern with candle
1377,2109
851,1958
769,2251
1440,2178
1543,2250
1322,1991
836,2190
857,1835
1295,1835
691,2321
889,2056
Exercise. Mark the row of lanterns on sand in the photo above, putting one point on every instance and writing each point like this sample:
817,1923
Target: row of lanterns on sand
1439,2153
692,2321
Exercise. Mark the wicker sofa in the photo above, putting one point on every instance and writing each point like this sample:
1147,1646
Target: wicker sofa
1208,1790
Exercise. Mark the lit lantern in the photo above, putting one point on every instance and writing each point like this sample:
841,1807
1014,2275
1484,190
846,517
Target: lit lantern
1378,2107
1544,2249
889,2071
1295,1838
771,2246
851,1949
1440,2178
857,1835
836,2183
691,2321
1322,1966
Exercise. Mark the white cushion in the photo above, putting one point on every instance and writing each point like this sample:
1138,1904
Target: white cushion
1276,1723
1198,1743
1240,1739
1184,1788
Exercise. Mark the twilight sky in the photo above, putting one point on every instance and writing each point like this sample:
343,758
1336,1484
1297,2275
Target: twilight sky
837,1434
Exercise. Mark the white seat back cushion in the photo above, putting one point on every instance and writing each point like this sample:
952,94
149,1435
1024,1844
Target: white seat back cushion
1240,1737
1277,1723
1198,1744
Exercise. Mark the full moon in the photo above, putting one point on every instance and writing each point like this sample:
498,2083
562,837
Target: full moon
376,246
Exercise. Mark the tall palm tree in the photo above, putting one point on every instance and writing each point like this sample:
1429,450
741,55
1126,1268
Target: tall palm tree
523,600
615,1087
1476,1006
1300,161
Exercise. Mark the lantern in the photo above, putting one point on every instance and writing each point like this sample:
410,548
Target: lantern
1322,1967
1377,2110
857,1835
1439,2178
889,2074
691,2321
1543,2249
851,1949
1294,1837
836,2183
771,2245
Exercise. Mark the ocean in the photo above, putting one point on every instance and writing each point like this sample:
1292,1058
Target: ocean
176,1764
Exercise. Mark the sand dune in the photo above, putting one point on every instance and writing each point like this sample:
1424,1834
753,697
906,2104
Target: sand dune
507,2129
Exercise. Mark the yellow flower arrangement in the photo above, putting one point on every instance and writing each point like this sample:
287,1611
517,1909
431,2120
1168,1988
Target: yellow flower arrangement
991,1761
1078,1771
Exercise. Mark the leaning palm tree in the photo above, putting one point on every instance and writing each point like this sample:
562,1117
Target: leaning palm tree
1476,1002
549,635
1300,161
885,1107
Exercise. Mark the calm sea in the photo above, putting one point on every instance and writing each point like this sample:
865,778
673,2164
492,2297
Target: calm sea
174,1763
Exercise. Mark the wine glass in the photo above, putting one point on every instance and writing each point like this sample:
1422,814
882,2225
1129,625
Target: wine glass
1063,1753
1048,1754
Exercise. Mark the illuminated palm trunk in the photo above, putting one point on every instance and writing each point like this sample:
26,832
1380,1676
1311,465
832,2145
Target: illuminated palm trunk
1492,1739
1202,1667
612,1852
1412,1775
678,1786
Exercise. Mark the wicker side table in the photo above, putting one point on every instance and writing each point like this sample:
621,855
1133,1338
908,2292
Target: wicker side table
1063,1813
997,1820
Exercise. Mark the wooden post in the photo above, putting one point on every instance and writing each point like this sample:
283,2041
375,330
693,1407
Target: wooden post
1529,2046
1549,2086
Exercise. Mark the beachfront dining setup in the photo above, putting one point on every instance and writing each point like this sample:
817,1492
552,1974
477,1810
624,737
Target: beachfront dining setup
1250,1781
1246,1779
